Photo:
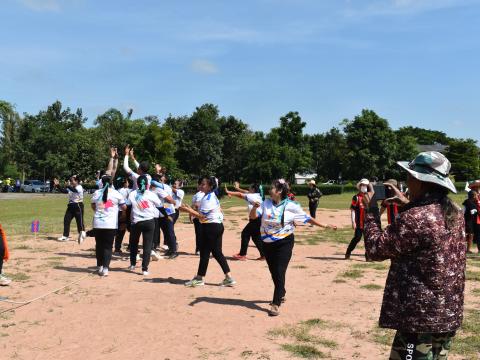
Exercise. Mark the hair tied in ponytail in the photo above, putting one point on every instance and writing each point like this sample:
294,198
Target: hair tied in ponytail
262,194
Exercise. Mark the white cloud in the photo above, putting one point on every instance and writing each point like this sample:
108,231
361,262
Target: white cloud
204,67
42,5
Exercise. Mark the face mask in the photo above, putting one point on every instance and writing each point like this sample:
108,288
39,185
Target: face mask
363,189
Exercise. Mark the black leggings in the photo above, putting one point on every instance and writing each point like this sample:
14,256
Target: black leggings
103,246
196,225
211,242
146,229
278,255
252,230
166,224
476,235
312,207
74,210
122,229
356,239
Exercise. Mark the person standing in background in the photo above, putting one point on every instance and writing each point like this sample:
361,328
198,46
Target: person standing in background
358,215
470,214
314,195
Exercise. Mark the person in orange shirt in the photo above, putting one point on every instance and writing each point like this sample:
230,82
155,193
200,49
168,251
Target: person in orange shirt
4,281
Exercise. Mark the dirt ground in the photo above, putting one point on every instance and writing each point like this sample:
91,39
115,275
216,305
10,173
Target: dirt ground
128,316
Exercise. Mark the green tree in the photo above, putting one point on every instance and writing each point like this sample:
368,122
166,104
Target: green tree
9,119
329,152
464,157
372,145
424,136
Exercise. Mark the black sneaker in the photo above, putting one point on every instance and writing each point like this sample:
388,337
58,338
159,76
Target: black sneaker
173,256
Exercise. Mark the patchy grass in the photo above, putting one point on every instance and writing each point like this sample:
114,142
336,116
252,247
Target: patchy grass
476,292
341,236
19,276
371,265
473,275
304,351
467,341
306,343
371,287
299,267
339,281
383,336
352,274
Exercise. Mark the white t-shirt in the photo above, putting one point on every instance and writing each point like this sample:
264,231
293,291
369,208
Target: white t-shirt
197,198
178,197
75,197
143,206
210,208
125,192
251,199
163,191
271,228
106,214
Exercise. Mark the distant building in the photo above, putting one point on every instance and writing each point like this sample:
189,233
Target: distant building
301,179
434,147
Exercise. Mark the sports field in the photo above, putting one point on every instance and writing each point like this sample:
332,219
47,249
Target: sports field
331,310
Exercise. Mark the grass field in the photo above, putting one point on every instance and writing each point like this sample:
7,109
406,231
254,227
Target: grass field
17,214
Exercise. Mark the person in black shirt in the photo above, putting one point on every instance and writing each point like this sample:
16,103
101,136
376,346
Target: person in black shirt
470,214
314,195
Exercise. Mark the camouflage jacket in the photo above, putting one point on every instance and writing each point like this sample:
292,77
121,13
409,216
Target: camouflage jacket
426,281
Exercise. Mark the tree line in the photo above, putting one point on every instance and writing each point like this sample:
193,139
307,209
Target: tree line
56,143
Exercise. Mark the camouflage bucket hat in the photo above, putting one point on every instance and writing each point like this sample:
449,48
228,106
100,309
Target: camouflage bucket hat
432,167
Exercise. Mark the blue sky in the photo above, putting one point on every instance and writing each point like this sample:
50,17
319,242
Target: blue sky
415,62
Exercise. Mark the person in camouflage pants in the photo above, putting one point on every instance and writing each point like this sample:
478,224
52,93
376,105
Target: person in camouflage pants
421,346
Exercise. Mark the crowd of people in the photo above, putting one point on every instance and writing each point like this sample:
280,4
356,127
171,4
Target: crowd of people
424,240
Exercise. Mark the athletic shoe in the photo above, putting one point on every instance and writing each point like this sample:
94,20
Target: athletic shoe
81,237
164,247
274,310
197,253
90,233
195,282
145,273
64,238
104,272
139,258
239,257
172,256
4,281
283,300
118,253
347,256
99,269
154,256
131,268
228,281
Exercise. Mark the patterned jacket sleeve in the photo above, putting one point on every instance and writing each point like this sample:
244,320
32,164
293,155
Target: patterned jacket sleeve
400,238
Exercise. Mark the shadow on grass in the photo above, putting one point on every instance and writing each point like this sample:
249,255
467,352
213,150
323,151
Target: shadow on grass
168,280
86,256
249,304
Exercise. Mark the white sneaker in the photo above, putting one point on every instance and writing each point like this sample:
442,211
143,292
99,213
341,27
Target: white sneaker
164,247
4,281
139,258
99,269
104,272
64,238
146,273
154,256
131,268
81,237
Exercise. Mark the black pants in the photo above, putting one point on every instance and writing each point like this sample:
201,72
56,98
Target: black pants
120,232
476,235
196,225
176,216
312,207
278,255
146,229
2,254
74,210
211,243
356,239
166,224
156,234
103,246
252,230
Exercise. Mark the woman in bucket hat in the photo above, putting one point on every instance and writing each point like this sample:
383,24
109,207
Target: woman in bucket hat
358,215
424,291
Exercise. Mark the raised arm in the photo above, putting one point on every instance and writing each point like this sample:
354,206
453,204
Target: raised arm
237,194
125,161
132,156
236,185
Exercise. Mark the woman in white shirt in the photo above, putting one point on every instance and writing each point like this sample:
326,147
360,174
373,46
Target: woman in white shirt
279,215
252,230
211,232
75,209
123,215
178,195
144,204
106,203
196,222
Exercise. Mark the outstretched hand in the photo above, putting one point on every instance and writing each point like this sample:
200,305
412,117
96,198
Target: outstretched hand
127,150
398,197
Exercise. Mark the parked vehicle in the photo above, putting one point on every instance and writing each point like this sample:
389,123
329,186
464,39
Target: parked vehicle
329,182
34,186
